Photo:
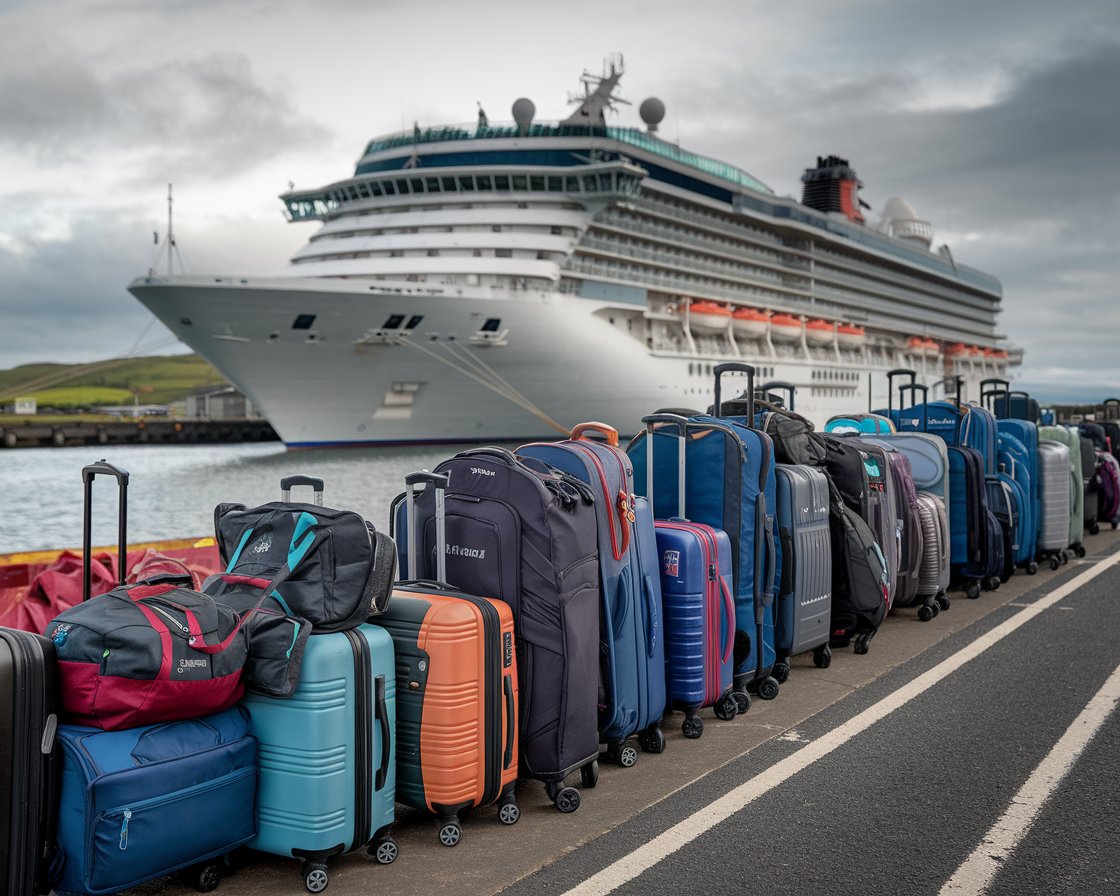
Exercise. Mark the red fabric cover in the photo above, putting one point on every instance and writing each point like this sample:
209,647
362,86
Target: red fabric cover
112,703
58,587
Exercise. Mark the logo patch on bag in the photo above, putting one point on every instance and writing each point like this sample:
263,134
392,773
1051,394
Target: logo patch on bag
671,562
263,546
455,550
507,650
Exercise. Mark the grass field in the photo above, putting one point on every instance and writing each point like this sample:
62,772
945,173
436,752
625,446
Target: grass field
154,380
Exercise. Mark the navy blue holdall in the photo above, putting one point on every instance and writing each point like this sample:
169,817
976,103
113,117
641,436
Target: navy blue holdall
145,802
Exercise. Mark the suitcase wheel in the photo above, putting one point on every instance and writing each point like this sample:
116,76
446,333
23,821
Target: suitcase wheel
1080,550
385,851
822,656
624,754
926,613
1032,568
508,812
652,740
1095,529
204,877
780,672
943,601
973,590
1054,561
567,800
768,688
692,727
726,707
450,833
588,774
742,701
315,877
863,642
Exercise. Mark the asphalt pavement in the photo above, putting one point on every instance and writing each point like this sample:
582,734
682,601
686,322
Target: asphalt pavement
883,774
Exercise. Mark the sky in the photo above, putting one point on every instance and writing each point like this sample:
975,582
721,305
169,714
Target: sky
998,120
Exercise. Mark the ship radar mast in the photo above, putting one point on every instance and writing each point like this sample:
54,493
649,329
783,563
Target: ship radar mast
169,245
598,94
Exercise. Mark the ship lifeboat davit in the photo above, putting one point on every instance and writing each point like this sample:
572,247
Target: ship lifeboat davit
819,332
709,317
850,336
748,323
785,328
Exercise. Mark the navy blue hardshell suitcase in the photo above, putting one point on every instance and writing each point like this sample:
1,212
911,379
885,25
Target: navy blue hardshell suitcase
142,803
696,591
632,649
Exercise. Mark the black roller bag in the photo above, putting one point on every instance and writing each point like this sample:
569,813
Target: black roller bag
28,761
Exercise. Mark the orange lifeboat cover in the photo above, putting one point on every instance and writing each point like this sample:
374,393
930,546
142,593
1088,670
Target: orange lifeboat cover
850,330
819,325
749,314
785,320
710,308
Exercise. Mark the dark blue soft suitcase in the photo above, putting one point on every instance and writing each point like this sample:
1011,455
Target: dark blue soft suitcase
804,598
142,803
328,770
632,649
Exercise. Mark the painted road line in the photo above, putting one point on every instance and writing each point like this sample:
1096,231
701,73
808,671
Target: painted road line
979,869
681,834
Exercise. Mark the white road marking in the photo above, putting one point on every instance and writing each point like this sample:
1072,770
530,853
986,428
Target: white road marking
684,832
979,869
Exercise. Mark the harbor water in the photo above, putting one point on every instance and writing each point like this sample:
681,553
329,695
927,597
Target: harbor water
173,489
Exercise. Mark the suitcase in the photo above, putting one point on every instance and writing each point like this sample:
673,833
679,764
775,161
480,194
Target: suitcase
860,424
804,601
147,802
1072,440
883,506
28,761
1054,494
632,651
328,776
910,532
1109,472
696,593
933,572
524,533
456,691
1090,483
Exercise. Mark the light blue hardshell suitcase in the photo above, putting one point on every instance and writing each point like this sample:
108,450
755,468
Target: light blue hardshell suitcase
145,802
328,765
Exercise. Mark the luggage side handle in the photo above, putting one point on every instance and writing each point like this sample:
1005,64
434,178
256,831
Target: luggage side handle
609,431
89,473
511,727
654,616
729,609
382,711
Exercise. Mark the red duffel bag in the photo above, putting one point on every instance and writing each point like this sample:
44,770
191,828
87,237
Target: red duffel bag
146,653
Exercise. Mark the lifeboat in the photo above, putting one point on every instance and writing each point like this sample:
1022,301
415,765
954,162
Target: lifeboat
975,351
819,332
709,317
923,347
785,328
1000,354
850,336
957,350
749,323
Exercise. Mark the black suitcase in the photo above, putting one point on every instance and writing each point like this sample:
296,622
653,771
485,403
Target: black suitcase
525,533
28,761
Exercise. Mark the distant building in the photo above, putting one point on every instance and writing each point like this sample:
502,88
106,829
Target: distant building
26,406
220,403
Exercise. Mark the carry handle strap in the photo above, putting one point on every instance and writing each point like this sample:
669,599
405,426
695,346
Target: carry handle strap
381,710
729,610
89,473
493,451
609,431
654,615
511,729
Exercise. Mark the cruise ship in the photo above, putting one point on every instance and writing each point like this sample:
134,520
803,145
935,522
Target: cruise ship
507,281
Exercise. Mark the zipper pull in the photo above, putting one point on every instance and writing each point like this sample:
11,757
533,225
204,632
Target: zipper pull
124,829
713,572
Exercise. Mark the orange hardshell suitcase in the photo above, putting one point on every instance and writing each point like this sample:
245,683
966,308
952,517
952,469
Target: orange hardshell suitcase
457,706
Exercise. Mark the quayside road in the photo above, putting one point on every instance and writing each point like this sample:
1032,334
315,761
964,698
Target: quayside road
971,754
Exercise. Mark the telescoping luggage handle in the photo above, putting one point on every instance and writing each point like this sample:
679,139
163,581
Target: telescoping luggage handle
988,396
779,386
89,473
289,482
439,482
735,367
681,423
899,372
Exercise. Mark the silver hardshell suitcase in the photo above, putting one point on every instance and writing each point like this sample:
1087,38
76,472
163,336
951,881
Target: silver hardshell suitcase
1054,492
803,608
933,572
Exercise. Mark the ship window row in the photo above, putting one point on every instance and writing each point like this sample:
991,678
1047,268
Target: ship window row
848,376
892,276
677,281
702,217
825,392
601,182
551,230
918,295
646,251
708,370
499,252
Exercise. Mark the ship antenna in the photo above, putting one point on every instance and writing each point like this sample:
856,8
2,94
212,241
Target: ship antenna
169,243
598,94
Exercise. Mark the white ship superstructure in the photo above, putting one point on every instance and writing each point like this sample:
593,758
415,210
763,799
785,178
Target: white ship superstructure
505,282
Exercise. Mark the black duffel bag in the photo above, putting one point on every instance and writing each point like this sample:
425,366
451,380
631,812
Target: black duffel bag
340,568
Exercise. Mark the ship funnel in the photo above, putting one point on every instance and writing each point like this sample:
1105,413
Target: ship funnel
833,187
523,112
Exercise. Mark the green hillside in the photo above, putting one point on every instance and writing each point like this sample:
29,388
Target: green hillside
153,380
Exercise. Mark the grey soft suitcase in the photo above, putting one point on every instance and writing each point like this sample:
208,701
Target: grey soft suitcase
1054,492
883,505
933,570
804,604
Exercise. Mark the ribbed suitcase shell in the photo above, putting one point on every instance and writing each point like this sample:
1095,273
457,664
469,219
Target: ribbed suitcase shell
699,628
804,603
1072,440
28,759
1054,493
456,702
142,803
328,776
933,572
